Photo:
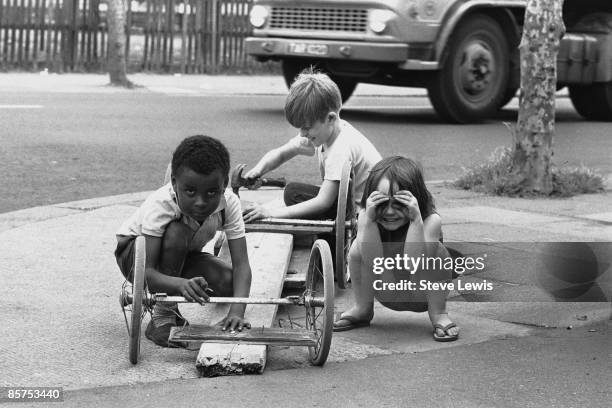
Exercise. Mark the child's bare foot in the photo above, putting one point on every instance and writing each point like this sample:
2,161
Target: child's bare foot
444,328
354,318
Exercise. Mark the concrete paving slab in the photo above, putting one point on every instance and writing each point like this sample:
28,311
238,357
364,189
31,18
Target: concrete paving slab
588,230
540,314
572,207
529,293
488,232
98,202
605,217
493,215
18,218
407,332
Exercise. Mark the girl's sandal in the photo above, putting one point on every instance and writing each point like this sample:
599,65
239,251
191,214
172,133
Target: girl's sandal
446,337
349,322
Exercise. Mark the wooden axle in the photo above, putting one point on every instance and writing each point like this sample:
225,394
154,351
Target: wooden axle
274,336
292,300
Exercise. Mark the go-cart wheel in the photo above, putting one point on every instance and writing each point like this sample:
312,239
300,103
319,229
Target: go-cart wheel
319,300
344,235
138,291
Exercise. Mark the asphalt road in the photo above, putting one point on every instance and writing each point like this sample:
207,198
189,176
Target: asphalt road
57,147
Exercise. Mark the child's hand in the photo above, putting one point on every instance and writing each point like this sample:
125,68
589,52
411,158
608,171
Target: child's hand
194,290
234,322
374,200
254,212
410,204
251,174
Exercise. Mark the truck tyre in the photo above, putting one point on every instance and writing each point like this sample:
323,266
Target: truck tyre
291,68
593,102
473,80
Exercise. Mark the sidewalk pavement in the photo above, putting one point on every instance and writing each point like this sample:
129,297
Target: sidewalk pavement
175,84
63,326
184,85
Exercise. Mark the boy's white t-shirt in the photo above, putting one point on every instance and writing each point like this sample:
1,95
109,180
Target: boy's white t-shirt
161,208
350,144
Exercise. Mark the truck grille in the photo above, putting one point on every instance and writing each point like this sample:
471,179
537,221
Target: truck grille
319,19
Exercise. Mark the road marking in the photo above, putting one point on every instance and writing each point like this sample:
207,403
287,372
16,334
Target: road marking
21,106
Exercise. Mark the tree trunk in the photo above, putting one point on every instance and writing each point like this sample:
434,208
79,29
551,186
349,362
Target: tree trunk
533,136
116,61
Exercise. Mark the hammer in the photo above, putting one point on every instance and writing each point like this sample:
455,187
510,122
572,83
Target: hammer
238,181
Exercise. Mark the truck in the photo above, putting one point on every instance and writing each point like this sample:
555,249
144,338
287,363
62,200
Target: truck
464,52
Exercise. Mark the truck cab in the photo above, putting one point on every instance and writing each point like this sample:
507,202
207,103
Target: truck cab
465,52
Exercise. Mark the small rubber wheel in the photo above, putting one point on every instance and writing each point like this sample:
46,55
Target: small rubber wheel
319,300
138,291
344,235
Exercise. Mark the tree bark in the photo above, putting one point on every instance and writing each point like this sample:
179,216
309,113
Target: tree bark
533,136
116,60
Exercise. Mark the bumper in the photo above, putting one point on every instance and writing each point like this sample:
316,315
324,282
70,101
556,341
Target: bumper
321,49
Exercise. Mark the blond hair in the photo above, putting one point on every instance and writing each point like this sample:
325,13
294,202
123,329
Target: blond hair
311,97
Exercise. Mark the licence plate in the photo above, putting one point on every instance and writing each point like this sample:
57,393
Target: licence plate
308,49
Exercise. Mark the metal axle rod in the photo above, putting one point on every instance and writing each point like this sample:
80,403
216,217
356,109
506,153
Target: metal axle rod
291,300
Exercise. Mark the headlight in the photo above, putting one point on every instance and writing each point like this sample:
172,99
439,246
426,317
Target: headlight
258,16
379,19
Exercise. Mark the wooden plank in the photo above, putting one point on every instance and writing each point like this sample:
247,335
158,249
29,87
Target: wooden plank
269,256
298,222
295,229
260,335
298,265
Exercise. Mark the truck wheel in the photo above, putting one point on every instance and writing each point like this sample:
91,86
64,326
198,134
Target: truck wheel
474,77
593,102
291,69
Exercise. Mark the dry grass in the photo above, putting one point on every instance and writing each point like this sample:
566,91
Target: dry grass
494,177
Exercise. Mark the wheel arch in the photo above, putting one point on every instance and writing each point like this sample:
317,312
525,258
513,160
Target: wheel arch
507,14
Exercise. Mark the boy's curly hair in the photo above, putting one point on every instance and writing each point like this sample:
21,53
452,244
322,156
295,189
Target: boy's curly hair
202,154
311,97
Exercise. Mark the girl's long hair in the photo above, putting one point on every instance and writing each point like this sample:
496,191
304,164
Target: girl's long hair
403,174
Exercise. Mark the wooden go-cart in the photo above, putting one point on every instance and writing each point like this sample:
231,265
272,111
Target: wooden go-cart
343,228
317,299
